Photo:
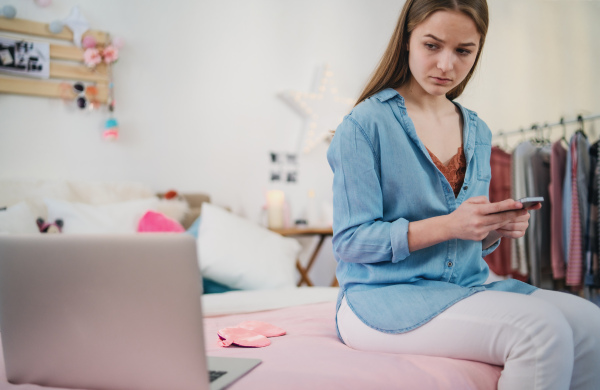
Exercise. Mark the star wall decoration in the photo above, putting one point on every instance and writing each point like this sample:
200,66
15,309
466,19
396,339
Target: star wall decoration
77,23
322,109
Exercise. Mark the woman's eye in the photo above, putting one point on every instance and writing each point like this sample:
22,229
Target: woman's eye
430,46
463,52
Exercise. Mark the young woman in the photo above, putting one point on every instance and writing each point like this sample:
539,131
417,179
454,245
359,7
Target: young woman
412,220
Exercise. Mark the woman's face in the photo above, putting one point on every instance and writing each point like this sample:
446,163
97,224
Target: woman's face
441,51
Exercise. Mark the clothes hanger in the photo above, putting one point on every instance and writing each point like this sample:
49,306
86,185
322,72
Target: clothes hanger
535,139
548,137
581,128
539,135
564,127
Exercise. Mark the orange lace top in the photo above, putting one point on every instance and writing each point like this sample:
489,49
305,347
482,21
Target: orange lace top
455,170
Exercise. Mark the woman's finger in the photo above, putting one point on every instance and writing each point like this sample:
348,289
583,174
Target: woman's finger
500,207
506,217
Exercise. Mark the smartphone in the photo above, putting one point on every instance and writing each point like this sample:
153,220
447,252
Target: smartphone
531,201
526,202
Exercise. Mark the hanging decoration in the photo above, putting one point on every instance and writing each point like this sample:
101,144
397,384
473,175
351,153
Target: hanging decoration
56,27
111,128
77,23
322,108
88,42
85,96
94,55
8,11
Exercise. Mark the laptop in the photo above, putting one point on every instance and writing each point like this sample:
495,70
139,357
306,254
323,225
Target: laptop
107,312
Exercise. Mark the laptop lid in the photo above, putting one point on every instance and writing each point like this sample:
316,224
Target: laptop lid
102,311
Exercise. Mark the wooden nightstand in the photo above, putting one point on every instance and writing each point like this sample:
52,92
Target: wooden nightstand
322,232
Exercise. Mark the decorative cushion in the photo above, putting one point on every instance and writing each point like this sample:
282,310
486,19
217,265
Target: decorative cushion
212,287
208,286
18,219
121,217
153,221
242,255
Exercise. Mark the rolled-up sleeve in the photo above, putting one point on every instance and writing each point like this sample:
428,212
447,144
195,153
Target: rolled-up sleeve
360,235
491,248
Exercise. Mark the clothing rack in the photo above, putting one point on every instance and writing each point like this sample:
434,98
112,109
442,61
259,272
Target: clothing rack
588,292
537,128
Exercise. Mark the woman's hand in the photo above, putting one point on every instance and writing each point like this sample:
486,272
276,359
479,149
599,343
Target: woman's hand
517,227
476,217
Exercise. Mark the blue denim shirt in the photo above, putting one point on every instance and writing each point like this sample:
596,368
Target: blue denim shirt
383,179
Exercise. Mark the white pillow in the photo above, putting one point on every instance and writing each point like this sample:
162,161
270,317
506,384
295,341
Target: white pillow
240,254
122,217
18,219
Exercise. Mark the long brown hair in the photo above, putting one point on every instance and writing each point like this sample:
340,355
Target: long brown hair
393,70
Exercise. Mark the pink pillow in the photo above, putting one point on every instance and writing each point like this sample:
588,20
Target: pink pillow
158,222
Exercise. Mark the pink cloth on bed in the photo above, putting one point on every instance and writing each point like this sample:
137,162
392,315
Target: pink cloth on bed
249,334
241,337
260,327
310,356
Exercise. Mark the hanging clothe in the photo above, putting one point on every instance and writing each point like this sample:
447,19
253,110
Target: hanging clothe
500,189
580,174
558,159
566,209
538,233
592,269
521,168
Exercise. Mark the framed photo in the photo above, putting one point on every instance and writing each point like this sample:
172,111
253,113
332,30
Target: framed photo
24,58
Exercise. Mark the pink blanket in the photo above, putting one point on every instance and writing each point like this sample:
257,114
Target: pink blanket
310,356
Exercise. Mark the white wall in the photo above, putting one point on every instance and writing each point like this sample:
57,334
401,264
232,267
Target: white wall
197,81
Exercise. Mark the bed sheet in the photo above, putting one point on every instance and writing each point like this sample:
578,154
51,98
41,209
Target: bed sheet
310,356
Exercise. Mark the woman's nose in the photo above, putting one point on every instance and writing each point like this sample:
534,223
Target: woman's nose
446,61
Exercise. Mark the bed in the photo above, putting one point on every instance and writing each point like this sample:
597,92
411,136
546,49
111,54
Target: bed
310,356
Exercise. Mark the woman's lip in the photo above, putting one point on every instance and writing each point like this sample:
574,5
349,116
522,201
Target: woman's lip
441,80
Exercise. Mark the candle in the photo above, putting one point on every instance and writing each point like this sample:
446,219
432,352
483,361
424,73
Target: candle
275,200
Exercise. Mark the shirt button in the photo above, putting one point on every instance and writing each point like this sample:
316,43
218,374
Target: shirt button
449,264
466,188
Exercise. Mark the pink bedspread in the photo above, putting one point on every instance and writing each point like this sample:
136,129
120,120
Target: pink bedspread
310,356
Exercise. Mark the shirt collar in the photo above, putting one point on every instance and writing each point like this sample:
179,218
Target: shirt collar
388,94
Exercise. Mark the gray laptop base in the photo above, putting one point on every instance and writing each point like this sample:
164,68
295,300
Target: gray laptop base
105,312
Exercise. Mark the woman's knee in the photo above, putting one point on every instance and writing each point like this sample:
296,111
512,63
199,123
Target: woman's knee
548,331
582,315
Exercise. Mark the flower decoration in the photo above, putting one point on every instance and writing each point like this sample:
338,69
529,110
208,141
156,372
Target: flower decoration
110,54
93,56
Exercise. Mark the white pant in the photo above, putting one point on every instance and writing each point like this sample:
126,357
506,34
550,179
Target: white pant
546,340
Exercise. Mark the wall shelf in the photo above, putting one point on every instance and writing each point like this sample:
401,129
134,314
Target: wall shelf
66,62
